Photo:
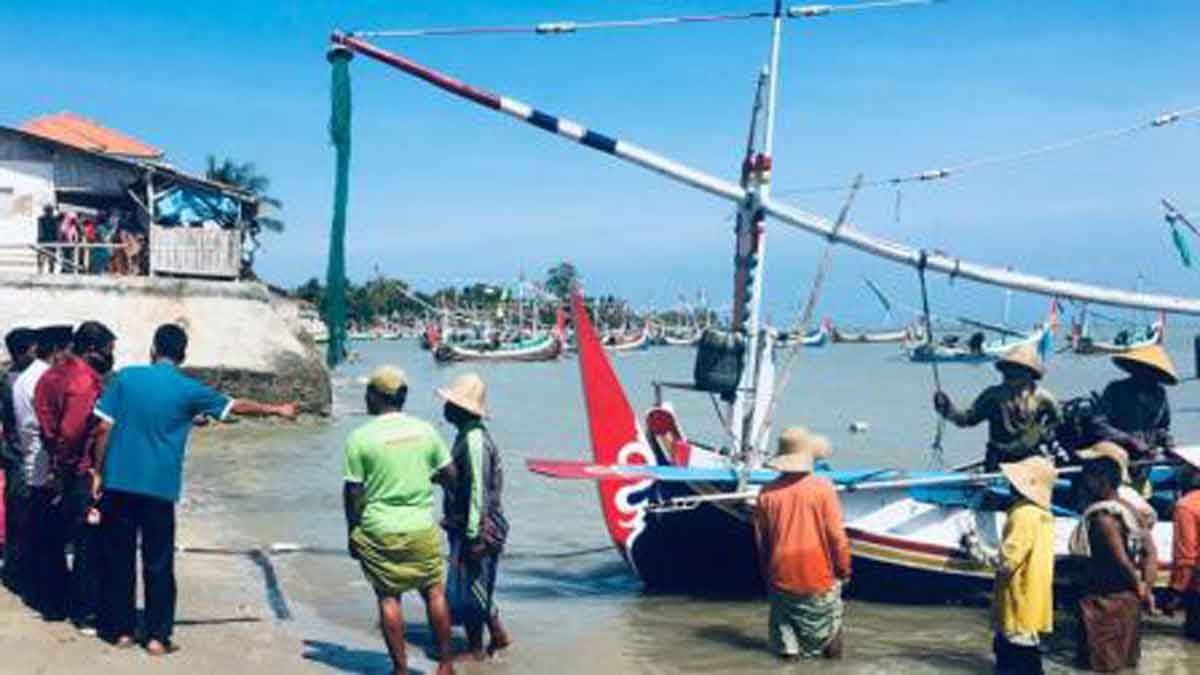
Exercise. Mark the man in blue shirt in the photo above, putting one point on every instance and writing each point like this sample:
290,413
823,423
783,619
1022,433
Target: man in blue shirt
145,414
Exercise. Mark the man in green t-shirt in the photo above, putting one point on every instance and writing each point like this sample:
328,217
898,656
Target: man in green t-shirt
391,465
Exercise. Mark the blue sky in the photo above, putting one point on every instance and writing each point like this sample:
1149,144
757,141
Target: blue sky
444,190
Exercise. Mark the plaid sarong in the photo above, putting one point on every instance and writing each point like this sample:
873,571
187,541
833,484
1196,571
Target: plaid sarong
804,625
400,562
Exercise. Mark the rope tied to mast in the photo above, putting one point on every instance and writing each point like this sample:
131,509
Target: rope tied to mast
936,459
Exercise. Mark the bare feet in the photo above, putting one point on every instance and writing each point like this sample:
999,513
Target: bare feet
123,642
157,648
445,668
834,649
498,644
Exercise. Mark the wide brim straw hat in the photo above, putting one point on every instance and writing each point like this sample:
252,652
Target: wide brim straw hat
1033,478
1152,359
468,392
1023,356
798,451
1108,450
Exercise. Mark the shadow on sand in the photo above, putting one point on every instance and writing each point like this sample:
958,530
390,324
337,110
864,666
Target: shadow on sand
347,660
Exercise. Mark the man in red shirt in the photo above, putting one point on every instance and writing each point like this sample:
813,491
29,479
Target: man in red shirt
803,550
64,400
1185,581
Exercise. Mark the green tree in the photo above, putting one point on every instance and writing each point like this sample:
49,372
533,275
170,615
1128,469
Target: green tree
561,278
245,176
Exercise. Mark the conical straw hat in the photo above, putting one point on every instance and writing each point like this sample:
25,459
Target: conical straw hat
468,392
1025,356
1152,358
798,449
1033,478
1108,450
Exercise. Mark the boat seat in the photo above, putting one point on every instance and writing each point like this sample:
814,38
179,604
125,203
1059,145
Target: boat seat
667,441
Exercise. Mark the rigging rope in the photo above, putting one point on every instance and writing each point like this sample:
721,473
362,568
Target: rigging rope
339,135
568,27
931,175
936,459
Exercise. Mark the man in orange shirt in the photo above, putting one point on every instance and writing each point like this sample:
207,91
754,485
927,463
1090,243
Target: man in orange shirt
1185,582
802,550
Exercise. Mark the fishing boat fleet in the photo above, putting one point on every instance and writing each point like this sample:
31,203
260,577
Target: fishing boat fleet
678,508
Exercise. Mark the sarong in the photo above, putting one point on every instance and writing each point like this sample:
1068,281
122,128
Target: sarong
804,625
471,584
401,562
1110,634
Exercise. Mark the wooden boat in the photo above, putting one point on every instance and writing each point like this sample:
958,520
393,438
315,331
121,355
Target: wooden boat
545,347
1082,341
628,343
677,510
977,349
678,341
878,337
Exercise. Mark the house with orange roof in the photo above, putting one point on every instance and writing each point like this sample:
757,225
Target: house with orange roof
180,224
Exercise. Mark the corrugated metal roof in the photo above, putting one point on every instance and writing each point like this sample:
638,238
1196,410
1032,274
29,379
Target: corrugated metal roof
80,132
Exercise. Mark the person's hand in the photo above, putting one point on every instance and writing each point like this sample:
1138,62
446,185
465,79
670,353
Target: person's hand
1143,592
941,402
287,410
477,550
97,485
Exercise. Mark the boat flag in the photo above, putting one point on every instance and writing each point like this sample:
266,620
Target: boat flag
1181,245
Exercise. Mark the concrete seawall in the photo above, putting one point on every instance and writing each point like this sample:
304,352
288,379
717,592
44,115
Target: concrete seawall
242,338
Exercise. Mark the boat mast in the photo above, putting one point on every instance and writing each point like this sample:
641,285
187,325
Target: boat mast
751,247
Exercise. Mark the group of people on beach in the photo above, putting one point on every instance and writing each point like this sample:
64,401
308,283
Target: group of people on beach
1113,562
93,465
391,465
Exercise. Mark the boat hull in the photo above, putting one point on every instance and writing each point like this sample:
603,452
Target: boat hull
449,353
868,338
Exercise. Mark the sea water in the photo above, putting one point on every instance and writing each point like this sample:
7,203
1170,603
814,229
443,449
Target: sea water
569,601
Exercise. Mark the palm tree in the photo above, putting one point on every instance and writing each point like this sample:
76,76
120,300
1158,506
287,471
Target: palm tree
245,176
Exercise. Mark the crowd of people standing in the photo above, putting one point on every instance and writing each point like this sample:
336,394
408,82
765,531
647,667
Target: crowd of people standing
73,242
93,463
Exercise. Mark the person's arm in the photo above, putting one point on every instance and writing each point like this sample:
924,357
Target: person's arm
74,425
475,456
963,418
1019,534
441,464
835,536
100,455
252,408
353,495
762,540
1185,549
1105,531
47,405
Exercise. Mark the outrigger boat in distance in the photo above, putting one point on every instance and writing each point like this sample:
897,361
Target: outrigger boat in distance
878,337
615,342
1082,341
545,347
977,348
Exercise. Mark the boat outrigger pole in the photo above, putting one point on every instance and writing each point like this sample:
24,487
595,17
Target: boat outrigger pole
850,235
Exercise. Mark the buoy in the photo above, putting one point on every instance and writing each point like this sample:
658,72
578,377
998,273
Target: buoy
862,427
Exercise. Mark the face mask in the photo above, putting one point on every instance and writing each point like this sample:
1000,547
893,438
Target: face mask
102,363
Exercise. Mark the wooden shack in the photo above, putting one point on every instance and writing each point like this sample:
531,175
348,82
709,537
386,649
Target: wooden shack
193,227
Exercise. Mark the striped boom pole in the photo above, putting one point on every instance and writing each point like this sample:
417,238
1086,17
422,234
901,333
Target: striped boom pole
552,123
848,234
